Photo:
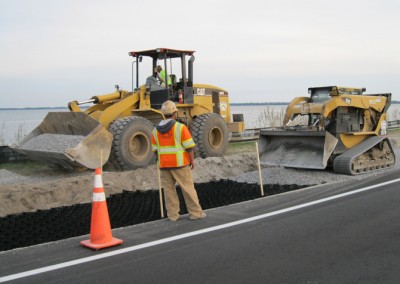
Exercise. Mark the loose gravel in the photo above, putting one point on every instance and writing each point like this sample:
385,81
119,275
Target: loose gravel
57,143
7,177
279,175
50,188
11,178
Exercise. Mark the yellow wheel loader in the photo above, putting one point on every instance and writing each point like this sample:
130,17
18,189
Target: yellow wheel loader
117,127
334,127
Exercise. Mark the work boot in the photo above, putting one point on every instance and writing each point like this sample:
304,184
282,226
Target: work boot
173,219
201,216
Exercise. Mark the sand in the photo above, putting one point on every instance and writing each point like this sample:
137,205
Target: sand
30,193
39,190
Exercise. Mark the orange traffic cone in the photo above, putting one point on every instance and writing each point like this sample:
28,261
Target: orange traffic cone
100,228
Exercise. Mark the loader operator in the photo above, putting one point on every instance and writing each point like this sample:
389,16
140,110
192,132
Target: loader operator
173,147
161,76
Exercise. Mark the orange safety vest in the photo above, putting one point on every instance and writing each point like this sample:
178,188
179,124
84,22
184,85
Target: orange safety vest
171,146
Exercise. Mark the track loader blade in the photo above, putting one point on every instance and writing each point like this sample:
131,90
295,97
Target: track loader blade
69,139
296,149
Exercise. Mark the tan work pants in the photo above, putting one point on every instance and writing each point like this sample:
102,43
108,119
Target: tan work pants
182,176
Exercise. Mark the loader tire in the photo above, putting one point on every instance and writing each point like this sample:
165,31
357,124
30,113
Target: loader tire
131,147
210,133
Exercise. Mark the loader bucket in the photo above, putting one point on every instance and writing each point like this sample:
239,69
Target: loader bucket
296,149
69,139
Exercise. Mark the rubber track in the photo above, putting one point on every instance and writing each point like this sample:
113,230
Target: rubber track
342,163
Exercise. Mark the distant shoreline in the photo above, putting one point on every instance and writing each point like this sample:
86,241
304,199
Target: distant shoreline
232,104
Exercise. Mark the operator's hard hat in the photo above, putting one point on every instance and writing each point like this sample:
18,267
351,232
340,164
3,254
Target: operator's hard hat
168,107
159,68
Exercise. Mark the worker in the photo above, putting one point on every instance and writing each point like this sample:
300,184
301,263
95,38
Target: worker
173,147
152,83
161,76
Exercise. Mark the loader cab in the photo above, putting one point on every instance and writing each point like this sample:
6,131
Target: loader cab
178,68
320,95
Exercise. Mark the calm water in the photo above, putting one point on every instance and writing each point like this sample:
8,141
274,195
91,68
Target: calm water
14,123
17,123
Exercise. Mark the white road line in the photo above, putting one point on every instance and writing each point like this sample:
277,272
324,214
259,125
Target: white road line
186,235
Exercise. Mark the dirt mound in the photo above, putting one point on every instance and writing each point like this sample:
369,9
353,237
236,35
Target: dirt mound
37,188
23,194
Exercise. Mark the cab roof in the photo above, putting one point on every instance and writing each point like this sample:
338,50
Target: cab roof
154,53
337,90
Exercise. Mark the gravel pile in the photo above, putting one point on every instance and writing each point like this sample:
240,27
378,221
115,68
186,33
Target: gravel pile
7,177
11,179
57,143
279,175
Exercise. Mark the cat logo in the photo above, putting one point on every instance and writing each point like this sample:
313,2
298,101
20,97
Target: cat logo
201,91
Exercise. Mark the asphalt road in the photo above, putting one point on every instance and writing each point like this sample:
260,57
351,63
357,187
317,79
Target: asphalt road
338,233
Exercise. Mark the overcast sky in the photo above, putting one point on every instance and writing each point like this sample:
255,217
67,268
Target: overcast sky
53,52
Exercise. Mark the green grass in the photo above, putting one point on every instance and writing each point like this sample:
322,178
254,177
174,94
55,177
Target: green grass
241,147
28,167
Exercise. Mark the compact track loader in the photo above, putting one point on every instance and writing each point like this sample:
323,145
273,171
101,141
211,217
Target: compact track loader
335,127
117,127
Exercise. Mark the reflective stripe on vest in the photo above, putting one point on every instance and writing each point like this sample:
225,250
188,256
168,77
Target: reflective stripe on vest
188,143
155,147
179,151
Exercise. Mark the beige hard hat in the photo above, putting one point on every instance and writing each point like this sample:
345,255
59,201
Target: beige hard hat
168,107
158,68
